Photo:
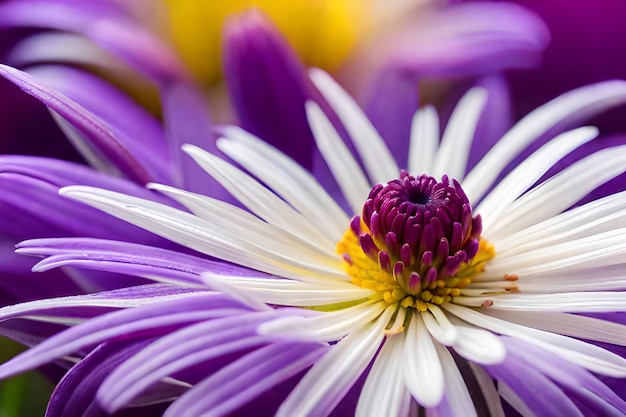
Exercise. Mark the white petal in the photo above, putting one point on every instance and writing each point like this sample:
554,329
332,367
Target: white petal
584,354
560,191
238,221
595,217
575,105
326,383
326,327
424,140
193,232
573,302
252,194
603,249
439,326
580,279
379,164
478,345
384,392
351,179
457,397
423,374
286,178
452,155
488,388
530,171
580,327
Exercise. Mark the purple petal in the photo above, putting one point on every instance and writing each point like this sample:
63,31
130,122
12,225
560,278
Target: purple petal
542,396
268,85
74,396
156,318
579,383
463,39
393,102
105,23
181,350
126,258
90,305
97,134
246,379
142,133
186,119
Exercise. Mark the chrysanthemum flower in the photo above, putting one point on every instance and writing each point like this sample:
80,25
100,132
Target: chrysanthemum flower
439,290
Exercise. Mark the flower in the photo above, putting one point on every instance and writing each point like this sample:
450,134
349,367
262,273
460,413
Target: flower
459,289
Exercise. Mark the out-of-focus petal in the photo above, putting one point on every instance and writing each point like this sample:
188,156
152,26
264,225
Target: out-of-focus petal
463,39
104,22
268,85
100,143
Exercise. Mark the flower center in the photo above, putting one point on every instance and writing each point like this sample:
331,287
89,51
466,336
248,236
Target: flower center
416,242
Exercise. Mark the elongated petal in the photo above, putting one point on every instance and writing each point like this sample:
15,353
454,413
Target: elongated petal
157,317
245,379
268,85
96,132
569,108
105,23
122,257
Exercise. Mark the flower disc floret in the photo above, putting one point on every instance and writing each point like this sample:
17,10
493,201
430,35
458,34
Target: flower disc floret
416,241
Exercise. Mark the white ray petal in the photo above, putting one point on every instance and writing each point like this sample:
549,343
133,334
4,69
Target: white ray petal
379,164
439,326
488,388
605,278
581,327
325,384
193,232
298,294
424,140
459,402
239,221
287,178
326,327
575,105
572,302
423,373
252,194
478,345
560,191
384,392
530,171
351,179
600,250
452,155
595,217
588,356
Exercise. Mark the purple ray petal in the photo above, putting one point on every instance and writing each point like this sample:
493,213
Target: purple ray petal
107,24
155,318
393,101
126,258
98,135
186,119
268,85
577,381
86,306
180,350
243,380
75,394
144,132
539,393
31,207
